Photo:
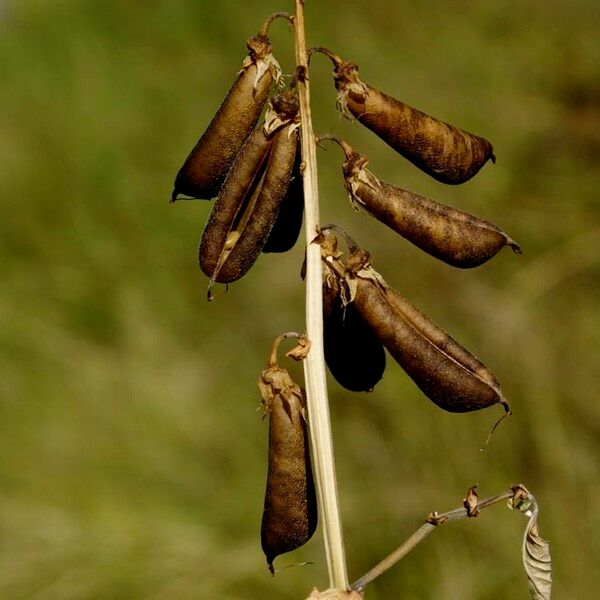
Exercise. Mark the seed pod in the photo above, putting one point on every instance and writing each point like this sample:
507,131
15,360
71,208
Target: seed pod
206,167
287,226
290,510
353,353
249,201
443,151
453,236
446,373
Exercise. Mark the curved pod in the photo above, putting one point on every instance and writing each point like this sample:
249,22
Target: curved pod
290,509
453,236
447,373
441,150
248,203
206,167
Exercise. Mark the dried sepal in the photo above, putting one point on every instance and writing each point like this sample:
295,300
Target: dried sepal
301,350
283,110
471,502
537,560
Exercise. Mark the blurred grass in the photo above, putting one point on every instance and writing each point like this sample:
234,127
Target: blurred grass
133,458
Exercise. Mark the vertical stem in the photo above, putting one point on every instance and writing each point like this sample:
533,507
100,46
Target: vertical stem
314,364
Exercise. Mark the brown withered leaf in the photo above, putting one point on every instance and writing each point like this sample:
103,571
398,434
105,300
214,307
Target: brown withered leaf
300,352
471,502
536,551
333,594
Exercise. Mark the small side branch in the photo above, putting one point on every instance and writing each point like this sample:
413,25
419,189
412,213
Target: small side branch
433,520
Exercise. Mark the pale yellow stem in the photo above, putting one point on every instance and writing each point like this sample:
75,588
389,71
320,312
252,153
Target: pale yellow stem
314,364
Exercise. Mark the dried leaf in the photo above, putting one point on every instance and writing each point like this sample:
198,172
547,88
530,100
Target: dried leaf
536,551
300,352
471,502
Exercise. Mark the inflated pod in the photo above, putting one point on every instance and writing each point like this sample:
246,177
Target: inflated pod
206,167
249,201
453,236
445,371
443,151
287,226
290,509
353,353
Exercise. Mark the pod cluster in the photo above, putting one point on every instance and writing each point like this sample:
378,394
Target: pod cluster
252,169
447,373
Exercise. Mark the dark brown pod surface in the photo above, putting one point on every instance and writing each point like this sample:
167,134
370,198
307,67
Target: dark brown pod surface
243,180
290,510
353,353
453,236
275,182
443,151
444,370
288,224
249,201
206,167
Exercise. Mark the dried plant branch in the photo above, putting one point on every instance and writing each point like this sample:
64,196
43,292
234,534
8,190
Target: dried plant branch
314,365
433,520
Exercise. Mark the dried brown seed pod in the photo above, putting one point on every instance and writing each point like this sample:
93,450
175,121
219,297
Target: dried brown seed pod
353,353
287,226
290,510
446,373
206,167
453,236
443,151
249,201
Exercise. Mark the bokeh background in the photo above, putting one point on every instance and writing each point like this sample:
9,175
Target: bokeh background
132,455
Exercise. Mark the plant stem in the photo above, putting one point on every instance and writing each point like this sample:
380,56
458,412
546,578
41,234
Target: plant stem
418,536
314,364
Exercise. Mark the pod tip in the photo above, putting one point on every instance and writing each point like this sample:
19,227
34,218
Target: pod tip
493,157
514,246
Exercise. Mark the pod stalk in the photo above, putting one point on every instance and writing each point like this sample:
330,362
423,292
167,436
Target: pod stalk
347,148
335,59
264,30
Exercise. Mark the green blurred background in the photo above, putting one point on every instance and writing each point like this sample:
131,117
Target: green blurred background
132,456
